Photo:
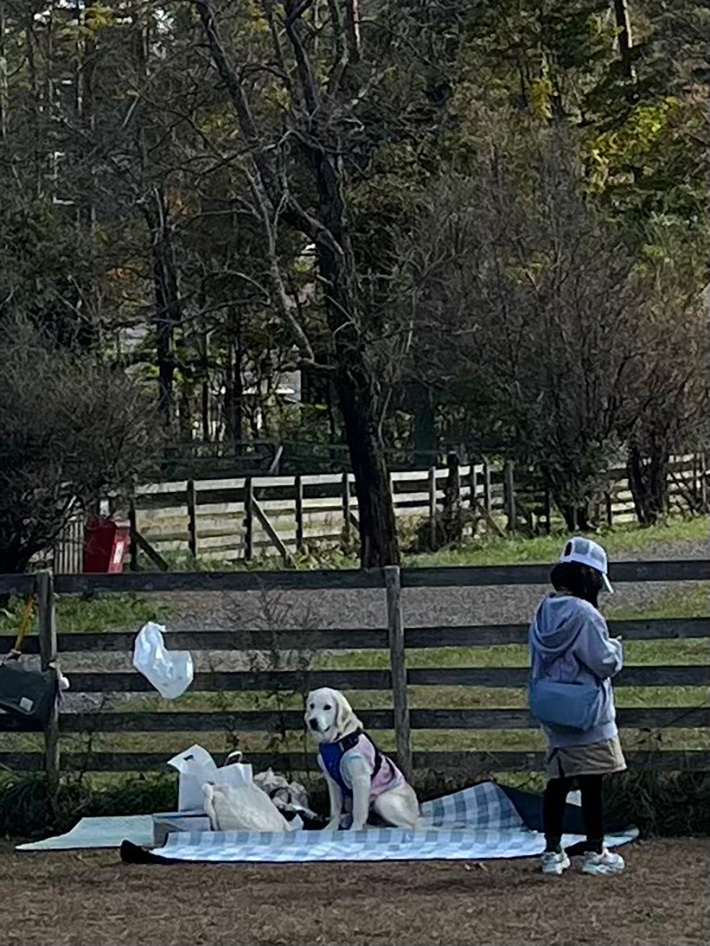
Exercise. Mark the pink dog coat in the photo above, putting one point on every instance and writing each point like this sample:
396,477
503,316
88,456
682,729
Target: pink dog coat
384,773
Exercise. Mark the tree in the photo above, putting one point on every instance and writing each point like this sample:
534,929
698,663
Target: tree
299,169
668,405
222,191
46,272
527,310
70,430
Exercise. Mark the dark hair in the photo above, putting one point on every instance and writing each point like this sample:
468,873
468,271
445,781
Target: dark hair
580,580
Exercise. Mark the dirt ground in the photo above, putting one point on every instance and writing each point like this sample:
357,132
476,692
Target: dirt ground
91,899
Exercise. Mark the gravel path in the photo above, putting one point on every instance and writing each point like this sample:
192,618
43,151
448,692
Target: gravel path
422,606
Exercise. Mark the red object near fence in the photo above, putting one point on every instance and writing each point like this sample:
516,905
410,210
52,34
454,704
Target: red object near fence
105,546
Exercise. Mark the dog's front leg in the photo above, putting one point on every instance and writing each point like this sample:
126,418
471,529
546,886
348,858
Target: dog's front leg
336,804
361,781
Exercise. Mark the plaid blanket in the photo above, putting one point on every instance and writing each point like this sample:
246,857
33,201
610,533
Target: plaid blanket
478,823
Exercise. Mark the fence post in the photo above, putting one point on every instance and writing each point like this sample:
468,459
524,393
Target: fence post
192,518
609,508
79,544
432,508
248,519
453,526
48,656
704,482
398,667
487,505
132,531
509,481
299,513
473,480
346,508
547,509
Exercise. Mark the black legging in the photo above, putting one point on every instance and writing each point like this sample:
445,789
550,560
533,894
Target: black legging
553,811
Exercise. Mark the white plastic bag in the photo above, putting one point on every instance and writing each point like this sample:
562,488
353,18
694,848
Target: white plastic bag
290,797
170,672
197,767
241,808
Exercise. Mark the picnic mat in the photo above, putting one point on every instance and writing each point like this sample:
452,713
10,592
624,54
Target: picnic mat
479,823
89,833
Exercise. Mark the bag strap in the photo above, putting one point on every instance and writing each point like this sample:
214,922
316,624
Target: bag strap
27,613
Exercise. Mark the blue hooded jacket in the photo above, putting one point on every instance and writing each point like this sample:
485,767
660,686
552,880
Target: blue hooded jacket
570,643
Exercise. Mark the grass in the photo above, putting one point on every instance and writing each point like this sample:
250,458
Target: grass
692,602
510,655
619,541
100,613
517,550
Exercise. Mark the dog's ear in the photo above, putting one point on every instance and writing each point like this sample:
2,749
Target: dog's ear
344,715
306,705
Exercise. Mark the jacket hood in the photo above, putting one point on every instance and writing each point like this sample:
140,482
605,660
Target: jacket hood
557,624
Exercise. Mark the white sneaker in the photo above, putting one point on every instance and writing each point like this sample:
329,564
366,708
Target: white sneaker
604,864
553,862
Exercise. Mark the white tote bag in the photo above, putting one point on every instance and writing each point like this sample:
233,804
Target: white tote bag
241,808
197,767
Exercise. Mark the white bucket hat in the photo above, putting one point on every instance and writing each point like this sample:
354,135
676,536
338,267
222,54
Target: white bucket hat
585,552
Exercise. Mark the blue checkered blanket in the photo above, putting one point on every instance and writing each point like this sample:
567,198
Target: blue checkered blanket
478,823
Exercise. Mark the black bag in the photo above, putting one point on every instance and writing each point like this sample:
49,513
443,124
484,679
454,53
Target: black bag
28,694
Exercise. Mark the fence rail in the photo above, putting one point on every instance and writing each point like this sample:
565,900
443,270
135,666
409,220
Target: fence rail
277,721
240,518
289,681
419,638
347,578
471,764
232,519
397,679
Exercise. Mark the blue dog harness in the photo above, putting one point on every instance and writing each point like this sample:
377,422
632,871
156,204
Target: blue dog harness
331,755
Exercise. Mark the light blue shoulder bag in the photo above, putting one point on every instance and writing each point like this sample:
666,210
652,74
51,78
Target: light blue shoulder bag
564,705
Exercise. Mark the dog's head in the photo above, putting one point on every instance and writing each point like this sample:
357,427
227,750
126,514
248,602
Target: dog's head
329,716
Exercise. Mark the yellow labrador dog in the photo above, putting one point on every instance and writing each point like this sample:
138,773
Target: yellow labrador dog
359,777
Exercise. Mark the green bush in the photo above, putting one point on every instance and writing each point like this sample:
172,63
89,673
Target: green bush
27,808
660,804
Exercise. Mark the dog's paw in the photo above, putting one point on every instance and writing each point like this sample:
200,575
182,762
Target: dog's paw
333,825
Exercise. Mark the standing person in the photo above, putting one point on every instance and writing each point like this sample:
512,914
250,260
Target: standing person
572,662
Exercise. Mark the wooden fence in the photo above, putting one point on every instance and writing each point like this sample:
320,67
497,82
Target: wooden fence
397,680
227,520
68,555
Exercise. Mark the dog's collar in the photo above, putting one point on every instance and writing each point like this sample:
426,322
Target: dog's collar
345,743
